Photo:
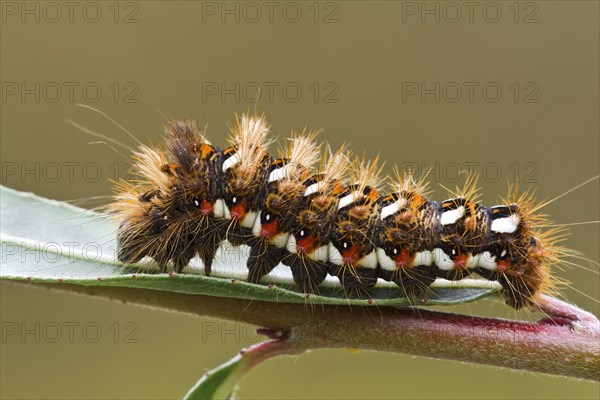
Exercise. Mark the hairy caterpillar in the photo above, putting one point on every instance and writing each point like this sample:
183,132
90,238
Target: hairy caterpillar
322,213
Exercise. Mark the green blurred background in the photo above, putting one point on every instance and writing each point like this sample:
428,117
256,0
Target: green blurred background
363,72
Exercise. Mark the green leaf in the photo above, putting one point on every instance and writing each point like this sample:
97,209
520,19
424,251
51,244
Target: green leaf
219,383
48,241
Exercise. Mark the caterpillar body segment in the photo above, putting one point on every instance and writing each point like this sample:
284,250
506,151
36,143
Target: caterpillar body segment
196,189
352,247
245,169
313,221
285,190
407,236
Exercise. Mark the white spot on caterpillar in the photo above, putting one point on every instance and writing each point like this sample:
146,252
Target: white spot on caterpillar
473,260
393,208
442,260
487,261
231,161
389,210
385,262
319,254
506,225
314,188
280,240
291,244
257,228
422,258
248,220
335,257
368,261
219,209
349,199
450,217
279,173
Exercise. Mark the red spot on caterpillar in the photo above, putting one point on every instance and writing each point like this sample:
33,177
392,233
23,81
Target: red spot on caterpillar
206,207
305,245
503,265
404,259
270,229
351,255
460,261
238,212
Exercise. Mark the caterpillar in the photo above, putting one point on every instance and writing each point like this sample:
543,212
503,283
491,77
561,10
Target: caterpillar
322,213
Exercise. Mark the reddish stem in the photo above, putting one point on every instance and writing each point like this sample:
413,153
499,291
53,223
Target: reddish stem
571,349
